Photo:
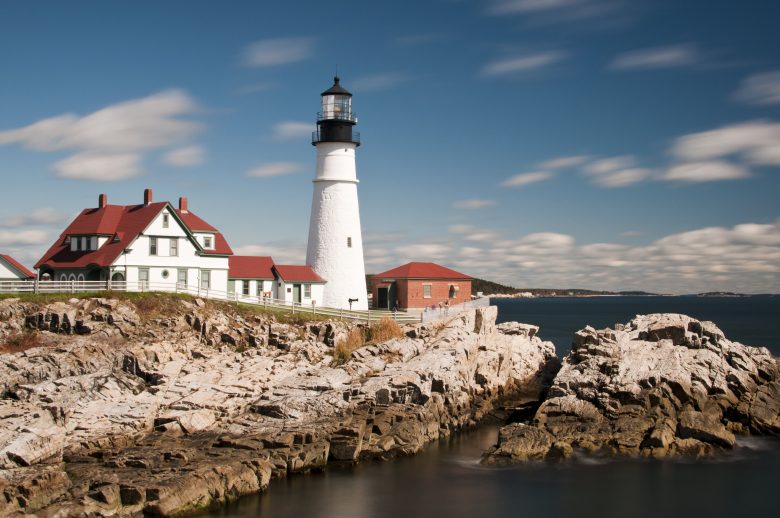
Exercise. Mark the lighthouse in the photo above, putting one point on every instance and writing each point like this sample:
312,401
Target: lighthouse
335,247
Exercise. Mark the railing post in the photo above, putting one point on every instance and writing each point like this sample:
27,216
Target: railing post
35,286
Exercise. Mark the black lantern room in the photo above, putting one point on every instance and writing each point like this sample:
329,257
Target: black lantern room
335,121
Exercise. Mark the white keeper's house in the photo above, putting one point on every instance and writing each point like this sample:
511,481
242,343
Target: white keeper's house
13,270
156,246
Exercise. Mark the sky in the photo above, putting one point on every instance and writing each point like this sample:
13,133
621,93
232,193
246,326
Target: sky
598,144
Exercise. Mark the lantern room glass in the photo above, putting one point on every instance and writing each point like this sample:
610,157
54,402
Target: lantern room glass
337,107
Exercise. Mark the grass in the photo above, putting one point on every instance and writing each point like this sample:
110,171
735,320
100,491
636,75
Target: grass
384,330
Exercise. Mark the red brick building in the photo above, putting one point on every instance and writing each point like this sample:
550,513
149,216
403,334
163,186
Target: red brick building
418,285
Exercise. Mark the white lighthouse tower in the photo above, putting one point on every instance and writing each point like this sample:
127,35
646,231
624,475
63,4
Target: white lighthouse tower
335,248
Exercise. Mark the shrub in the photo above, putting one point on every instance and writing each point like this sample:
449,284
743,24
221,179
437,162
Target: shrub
384,330
354,340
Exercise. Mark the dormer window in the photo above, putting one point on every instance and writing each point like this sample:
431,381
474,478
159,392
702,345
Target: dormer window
207,242
166,220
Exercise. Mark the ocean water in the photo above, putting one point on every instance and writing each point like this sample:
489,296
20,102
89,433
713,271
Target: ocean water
446,479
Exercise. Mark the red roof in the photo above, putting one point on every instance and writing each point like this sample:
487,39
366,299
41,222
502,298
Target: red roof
416,270
248,267
289,273
122,223
194,223
18,266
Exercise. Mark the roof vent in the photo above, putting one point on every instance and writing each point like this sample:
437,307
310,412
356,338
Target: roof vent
147,196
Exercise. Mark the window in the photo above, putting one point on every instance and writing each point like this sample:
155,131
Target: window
74,244
349,242
259,288
427,291
181,278
205,279
165,274
166,220
307,291
245,288
84,245
231,287
207,242
174,247
93,243
152,246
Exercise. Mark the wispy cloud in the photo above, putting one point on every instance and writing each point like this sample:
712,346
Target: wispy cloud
111,143
657,57
761,89
522,63
523,179
755,142
378,82
739,258
283,252
42,216
474,204
274,169
615,172
277,51
711,171
291,130
499,7
564,162
185,156
23,237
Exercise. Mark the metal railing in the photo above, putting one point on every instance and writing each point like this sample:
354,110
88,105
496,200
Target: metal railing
338,116
75,287
317,137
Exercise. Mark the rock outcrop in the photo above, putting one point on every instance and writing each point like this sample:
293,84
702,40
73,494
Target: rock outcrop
661,385
162,408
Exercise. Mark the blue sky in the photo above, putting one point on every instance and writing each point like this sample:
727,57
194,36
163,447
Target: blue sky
545,143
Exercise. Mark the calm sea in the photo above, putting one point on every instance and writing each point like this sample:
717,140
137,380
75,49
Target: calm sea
447,481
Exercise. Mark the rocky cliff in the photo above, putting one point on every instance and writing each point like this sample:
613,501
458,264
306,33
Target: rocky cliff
661,385
122,407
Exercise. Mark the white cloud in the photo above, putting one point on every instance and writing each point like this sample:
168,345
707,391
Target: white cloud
623,177
564,162
712,171
291,130
474,204
610,165
761,89
110,143
42,216
24,237
757,142
740,258
499,7
378,82
522,63
99,167
274,169
185,156
520,180
615,172
278,51
657,57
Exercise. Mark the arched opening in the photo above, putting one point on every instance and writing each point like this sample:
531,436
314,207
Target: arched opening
63,277
93,274
453,291
72,277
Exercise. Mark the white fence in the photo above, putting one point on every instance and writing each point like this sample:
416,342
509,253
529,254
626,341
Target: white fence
48,287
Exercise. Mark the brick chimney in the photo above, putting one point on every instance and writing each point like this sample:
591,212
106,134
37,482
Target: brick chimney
102,201
183,206
147,196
